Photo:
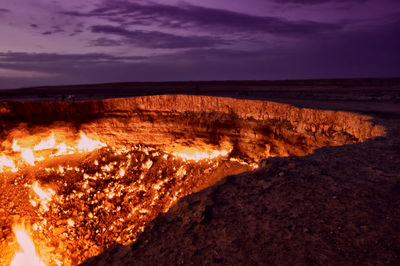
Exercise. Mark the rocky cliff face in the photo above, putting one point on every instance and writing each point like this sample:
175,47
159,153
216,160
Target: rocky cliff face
253,129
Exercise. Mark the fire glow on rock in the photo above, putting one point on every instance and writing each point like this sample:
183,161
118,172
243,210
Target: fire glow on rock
74,198
47,147
75,192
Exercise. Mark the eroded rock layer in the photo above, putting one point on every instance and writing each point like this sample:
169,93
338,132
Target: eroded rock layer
254,129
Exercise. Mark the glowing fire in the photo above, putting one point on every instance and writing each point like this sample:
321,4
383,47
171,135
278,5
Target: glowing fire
6,163
28,254
193,154
28,156
62,149
88,145
44,195
100,202
50,147
15,146
46,144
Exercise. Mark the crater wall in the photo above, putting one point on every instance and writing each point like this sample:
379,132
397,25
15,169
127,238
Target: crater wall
253,129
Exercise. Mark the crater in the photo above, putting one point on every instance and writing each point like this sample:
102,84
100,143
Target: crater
81,177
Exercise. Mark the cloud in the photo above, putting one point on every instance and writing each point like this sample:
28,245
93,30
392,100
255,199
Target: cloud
153,39
34,69
372,52
29,74
314,2
54,30
106,42
4,10
191,17
53,63
12,58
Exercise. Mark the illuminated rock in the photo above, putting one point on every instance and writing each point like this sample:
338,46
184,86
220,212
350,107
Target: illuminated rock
92,174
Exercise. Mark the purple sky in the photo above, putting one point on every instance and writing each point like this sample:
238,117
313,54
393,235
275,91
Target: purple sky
53,42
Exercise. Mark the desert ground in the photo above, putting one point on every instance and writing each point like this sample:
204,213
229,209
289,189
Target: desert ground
336,205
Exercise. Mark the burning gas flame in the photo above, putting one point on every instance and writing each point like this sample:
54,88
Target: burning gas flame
28,254
88,145
46,144
91,186
15,146
51,146
28,156
6,163
44,195
62,149
193,154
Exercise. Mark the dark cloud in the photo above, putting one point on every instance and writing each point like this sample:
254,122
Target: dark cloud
314,2
55,30
4,11
11,59
106,42
34,25
76,32
154,39
211,19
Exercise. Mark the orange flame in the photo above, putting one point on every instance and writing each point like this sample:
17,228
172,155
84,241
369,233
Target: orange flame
88,145
46,144
6,163
44,195
15,146
28,156
28,254
193,154
30,152
62,149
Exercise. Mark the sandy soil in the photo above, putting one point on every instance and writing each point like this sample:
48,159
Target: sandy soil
338,205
